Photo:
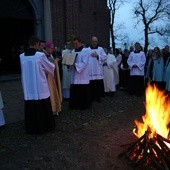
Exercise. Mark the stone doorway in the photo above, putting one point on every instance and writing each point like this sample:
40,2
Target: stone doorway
16,18
14,36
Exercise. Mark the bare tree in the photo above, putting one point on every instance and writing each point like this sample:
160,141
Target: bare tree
151,13
114,5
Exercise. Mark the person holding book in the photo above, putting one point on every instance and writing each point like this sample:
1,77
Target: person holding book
80,83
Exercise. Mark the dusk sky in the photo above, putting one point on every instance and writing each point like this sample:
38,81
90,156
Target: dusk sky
125,15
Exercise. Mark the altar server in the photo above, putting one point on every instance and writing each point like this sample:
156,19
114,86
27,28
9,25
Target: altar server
97,56
35,67
136,62
66,81
80,87
111,74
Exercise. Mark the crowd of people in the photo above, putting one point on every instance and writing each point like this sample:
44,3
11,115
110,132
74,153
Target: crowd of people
93,72
157,70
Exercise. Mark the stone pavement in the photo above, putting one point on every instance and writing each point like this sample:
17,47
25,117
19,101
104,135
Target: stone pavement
11,89
83,140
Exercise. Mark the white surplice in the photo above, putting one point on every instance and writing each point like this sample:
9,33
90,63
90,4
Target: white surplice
34,76
80,73
111,75
138,59
96,65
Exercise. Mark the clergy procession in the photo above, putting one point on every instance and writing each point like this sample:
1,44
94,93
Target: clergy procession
90,73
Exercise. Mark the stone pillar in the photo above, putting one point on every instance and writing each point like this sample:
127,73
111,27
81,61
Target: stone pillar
47,20
39,29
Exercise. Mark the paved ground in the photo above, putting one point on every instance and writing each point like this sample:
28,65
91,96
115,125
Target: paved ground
11,89
86,140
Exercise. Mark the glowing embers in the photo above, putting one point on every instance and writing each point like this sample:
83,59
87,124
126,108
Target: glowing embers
152,149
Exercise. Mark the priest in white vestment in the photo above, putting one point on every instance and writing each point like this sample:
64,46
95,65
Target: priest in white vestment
136,62
80,83
37,106
97,56
110,73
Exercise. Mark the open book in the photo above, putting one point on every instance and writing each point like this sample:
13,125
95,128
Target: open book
69,58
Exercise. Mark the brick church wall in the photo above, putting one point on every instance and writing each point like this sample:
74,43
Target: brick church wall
83,18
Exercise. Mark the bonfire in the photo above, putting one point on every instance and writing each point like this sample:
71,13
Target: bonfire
152,148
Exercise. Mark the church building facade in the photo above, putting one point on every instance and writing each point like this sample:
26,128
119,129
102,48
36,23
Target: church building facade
56,20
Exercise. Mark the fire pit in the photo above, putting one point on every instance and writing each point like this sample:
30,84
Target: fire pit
152,148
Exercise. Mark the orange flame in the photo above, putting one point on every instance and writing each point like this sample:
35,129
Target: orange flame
157,116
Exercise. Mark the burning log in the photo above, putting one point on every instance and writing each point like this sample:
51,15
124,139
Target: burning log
149,152
152,149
